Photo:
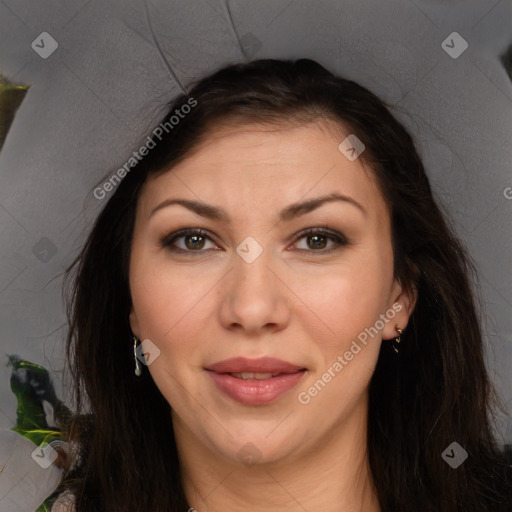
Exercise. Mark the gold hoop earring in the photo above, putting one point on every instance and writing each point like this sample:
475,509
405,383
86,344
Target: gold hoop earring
397,339
138,371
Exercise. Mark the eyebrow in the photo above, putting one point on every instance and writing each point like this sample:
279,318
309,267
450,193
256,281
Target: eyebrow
286,214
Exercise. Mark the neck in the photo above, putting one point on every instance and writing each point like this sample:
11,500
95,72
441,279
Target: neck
332,476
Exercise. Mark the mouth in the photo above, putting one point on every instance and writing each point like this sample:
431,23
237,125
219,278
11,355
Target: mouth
260,366
255,381
256,376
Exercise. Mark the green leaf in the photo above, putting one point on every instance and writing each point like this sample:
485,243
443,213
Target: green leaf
11,96
37,402
37,407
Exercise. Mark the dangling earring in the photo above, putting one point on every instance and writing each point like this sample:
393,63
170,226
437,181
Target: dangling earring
137,367
397,339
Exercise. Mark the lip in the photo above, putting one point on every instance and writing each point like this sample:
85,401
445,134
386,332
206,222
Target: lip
259,365
255,391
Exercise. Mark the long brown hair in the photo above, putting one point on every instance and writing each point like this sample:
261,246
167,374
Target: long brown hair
435,392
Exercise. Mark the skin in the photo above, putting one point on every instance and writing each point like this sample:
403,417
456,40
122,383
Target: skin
299,306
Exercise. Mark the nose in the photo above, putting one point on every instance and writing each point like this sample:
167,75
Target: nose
254,297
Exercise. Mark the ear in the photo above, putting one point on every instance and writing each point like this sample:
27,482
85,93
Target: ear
402,302
134,322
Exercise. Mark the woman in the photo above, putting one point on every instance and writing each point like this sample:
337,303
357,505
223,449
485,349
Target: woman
310,339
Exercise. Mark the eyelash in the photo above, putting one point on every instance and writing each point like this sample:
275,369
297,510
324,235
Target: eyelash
340,240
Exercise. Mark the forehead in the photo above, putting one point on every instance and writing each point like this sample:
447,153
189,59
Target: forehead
253,164
287,140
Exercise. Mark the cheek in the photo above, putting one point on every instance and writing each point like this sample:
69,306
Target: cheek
346,299
346,308
170,303
159,294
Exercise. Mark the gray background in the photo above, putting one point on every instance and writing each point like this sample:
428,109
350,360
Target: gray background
94,100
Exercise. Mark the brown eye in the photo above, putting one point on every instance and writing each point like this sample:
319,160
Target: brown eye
317,240
194,240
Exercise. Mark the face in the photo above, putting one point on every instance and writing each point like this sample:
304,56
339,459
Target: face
267,270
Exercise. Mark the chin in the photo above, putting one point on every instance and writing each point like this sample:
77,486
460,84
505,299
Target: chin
253,443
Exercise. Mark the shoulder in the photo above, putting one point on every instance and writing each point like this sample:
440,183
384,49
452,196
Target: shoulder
64,503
